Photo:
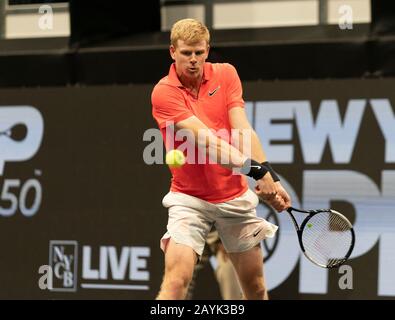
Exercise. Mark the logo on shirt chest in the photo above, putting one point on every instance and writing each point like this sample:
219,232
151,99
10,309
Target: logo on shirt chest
211,93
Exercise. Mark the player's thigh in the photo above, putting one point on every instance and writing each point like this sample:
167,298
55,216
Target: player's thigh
248,264
180,260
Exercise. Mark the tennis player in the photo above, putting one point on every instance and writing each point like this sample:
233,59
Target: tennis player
197,96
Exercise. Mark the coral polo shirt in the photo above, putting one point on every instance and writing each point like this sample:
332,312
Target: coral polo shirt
171,102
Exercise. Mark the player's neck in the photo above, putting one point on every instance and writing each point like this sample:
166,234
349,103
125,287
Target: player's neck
193,84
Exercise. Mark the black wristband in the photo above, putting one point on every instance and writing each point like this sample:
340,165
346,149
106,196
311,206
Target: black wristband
273,173
254,169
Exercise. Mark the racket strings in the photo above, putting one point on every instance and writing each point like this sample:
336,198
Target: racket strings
327,238
327,247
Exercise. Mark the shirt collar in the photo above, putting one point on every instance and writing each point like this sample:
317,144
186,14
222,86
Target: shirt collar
173,77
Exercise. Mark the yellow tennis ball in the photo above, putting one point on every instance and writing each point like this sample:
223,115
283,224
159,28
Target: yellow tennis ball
175,158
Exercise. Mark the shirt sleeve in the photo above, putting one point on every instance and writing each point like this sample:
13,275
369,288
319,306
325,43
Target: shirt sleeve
234,89
168,105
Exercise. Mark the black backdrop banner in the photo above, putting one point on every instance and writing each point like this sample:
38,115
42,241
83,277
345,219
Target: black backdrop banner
80,206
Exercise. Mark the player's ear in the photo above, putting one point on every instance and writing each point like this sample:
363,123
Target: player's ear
172,50
208,50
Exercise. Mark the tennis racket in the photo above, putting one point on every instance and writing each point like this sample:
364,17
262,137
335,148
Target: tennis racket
326,237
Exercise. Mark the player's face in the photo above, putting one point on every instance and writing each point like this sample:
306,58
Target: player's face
189,58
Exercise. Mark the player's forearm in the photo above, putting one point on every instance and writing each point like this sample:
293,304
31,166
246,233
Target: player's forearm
221,152
257,152
230,156
249,144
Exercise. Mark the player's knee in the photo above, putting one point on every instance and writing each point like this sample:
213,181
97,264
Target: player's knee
256,292
256,287
179,277
260,292
179,283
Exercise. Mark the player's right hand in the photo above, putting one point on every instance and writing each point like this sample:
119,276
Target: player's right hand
272,193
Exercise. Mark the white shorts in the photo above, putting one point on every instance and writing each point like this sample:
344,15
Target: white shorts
191,219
